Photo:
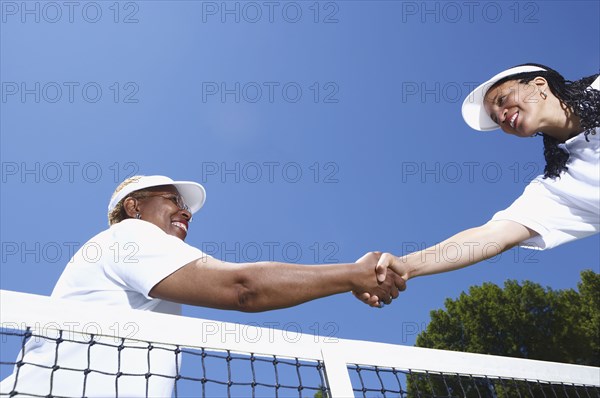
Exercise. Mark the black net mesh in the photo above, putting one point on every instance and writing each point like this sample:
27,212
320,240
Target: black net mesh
373,381
200,372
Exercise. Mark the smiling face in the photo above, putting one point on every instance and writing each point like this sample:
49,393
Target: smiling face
159,205
519,108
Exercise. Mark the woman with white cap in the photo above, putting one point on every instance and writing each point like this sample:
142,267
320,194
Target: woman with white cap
560,206
142,262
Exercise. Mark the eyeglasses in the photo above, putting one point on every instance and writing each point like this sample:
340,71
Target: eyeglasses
176,199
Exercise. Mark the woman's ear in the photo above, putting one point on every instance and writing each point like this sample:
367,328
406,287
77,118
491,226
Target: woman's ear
131,206
541,83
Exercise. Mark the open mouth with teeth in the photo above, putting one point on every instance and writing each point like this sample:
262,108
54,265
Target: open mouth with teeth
513,119
181,225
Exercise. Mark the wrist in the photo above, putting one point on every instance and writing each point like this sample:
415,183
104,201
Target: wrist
359,274
407,264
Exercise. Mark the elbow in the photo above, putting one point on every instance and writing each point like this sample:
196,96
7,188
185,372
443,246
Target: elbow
246,298
251,292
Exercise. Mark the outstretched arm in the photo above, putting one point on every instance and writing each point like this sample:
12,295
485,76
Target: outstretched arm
264,286
463,249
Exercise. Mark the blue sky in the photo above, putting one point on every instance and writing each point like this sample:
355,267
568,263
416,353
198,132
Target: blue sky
321,130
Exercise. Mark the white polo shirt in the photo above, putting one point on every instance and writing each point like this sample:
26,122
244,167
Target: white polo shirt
118,268
566,208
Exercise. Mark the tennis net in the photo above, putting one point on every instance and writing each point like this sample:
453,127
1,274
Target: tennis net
193,357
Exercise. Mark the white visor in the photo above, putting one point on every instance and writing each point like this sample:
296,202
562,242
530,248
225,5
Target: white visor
194,194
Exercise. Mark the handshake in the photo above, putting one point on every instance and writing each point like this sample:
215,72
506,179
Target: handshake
390,279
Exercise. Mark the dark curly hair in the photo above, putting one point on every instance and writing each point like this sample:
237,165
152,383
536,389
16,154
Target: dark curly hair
578,97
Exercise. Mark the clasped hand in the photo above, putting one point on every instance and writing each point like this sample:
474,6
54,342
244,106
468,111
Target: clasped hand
384,285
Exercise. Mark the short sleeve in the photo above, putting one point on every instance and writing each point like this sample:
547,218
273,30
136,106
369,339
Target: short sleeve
144,255
551,216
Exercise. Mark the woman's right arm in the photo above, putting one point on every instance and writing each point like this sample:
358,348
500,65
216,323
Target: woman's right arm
262,286
461,250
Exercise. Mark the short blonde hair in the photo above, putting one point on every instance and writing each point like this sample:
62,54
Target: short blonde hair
119,214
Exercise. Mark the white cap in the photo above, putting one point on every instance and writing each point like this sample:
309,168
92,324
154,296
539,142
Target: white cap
472,108
193,193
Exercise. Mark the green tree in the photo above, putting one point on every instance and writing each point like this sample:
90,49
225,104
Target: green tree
520,320
319,394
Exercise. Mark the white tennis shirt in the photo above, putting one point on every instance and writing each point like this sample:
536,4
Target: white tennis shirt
118,268
566,208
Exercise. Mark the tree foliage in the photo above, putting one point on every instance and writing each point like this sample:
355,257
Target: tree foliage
520,320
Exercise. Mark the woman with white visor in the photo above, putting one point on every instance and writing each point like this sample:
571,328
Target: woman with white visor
557,207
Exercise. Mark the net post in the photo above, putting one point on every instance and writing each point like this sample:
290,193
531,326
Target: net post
336,370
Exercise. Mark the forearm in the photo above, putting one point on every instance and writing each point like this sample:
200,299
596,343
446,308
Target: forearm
268,285
465,248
